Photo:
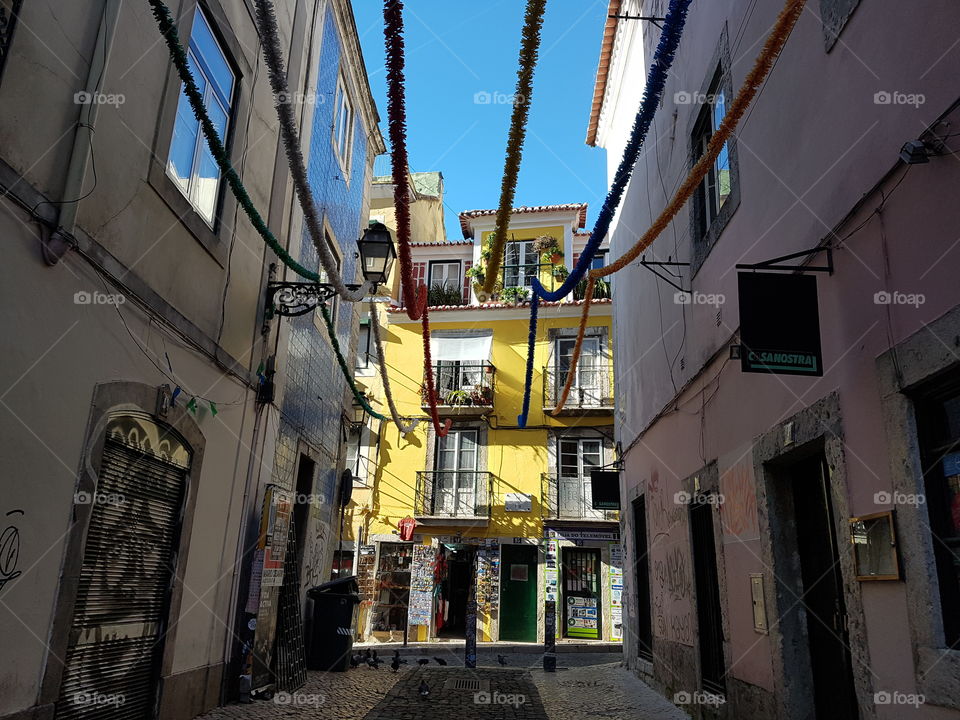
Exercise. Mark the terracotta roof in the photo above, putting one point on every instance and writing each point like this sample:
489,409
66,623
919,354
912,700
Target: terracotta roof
467,215
603,68
498,306
445,242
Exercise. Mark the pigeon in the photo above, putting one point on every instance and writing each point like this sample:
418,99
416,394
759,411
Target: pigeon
424,688
374,663
400,660
375,655
502,659
355,661
423,661
395,663
366,654
440,661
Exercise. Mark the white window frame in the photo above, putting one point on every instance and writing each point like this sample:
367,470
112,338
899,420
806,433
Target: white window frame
344,119
459,503
331,241
433,264
577,484
191,188
526,256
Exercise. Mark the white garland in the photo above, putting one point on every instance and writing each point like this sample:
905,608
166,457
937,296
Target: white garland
381,361
273,56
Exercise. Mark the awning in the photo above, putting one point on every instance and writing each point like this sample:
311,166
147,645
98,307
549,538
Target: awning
462,345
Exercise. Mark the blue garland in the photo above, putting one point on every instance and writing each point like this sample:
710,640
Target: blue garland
656,81
531,341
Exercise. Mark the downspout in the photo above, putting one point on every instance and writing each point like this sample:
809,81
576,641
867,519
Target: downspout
61,240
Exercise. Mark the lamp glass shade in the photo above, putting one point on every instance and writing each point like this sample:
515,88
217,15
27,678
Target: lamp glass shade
376,253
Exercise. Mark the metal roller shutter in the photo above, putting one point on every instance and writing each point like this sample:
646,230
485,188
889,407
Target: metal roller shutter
116,642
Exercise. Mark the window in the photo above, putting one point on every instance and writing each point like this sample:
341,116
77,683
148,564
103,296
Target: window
190,164
521,264
358,449
715,189
589,372
324,278
9,9
939,416
446,275
577,457
343,125
392,587
454,493
599,259
366,349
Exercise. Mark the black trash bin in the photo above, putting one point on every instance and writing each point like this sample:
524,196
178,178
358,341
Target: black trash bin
332,620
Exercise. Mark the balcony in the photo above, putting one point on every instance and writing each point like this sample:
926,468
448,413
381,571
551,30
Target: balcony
462,388
566,497
451,497
592,389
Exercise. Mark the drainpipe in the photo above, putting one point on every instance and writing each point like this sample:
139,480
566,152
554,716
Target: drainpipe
61,239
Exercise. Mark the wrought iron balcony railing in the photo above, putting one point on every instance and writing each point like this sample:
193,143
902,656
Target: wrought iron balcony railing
453,494
568,497
592,388
462,385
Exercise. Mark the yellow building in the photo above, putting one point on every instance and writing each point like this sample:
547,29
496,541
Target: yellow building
500,512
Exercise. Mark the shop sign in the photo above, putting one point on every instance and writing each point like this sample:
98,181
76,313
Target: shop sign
605,488
582,535
779,324
517,502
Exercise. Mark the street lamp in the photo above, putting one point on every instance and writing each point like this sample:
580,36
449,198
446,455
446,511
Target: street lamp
376,254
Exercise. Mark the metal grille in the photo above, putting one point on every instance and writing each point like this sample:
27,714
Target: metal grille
453,493
466,684
113,653
290,663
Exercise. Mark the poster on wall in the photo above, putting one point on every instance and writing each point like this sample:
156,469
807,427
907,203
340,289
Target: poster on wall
421,585
551,574
488,577
616,592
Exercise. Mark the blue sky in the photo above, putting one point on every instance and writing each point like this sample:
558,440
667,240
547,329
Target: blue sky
447,65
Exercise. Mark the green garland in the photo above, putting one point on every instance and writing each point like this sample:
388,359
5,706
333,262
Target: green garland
169,31
358,396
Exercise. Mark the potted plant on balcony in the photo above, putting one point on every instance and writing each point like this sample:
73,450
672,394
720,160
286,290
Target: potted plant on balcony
444,294
482,395
514,295
560,272
458,397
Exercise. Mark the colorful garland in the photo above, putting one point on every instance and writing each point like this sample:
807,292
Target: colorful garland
273,57
528,378
169,32
653,91
774,44
334,343
415,298
382,362
656,81
529,48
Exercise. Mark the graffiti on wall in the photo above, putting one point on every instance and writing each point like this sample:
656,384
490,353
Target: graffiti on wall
672,582
10,548
738,513
663,513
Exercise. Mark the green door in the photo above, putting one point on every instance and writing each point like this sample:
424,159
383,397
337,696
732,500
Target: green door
518,593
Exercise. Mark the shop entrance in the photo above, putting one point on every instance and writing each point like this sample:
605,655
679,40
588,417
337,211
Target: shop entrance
581,592
456,569
518,593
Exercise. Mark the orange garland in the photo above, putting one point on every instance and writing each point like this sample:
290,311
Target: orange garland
758,74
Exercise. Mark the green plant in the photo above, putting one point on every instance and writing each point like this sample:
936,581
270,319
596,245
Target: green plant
601,289
458,397
514,295
560,272
545,244
443,294
476,272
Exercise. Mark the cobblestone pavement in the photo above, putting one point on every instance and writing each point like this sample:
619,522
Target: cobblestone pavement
586,685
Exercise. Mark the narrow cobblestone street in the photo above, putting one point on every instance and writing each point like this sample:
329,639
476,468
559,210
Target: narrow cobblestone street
585,685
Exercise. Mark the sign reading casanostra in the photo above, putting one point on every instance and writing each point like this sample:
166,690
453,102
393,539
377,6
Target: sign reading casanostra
779,324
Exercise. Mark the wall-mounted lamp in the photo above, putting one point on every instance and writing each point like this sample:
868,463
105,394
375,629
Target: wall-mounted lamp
915,152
